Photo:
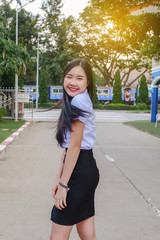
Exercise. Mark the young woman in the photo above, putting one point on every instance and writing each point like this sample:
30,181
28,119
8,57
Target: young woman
78,175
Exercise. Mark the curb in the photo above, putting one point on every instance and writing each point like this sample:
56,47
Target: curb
11,138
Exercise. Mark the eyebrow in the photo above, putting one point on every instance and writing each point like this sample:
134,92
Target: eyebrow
72,75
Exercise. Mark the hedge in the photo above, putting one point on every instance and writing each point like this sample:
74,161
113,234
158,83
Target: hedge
2,112
115,106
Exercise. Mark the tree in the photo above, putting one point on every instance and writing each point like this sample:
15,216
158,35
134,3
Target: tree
143,91
13,58
95,98
27,35
43,92
27,27
6,2
146,24
117,88
116,9
114,39
60,38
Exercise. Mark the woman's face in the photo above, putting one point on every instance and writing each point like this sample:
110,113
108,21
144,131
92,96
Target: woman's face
75,81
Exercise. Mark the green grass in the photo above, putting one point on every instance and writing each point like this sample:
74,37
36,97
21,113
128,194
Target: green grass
7,127
146,126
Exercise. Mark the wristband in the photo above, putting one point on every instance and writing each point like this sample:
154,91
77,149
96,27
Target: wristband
64,186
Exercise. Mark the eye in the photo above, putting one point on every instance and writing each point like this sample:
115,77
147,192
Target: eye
68,76
79,78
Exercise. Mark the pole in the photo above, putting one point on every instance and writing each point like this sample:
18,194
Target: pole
16,76
154,109
37,72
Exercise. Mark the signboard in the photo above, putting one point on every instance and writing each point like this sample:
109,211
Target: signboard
23,97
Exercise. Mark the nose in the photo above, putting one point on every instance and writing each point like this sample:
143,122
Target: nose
73,81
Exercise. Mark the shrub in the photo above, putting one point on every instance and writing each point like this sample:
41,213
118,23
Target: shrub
113,106
141,106
2,112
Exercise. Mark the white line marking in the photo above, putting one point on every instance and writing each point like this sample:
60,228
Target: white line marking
2,147
125,146
10,139
16,133
20,129
109,158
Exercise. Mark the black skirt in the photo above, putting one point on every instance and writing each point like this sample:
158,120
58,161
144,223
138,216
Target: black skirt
80,197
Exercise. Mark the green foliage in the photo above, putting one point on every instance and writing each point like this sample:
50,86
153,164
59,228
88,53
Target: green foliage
21,80
11,125
143,91
27,40
64,33
141,106
101,82
43,105
113,38
31,73
117,88
118,9
2,113
27,30
146,126
95,98
43,88
12,57
114,107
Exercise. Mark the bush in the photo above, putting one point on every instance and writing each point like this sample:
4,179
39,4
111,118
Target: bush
113,106
42,105
48,105
2,112
141,106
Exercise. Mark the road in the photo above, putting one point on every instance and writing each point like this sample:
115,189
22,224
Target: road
100,116
127,198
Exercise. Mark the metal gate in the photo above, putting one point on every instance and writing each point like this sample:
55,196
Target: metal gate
7,101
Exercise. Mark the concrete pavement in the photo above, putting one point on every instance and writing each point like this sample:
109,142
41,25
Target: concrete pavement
127,198
100,115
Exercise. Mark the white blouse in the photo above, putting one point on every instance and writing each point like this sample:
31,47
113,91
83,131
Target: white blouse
84,102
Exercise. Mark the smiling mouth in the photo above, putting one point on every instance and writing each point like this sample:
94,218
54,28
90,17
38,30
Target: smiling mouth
73,89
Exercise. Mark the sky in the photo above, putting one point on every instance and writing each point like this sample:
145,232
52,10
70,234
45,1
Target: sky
71,7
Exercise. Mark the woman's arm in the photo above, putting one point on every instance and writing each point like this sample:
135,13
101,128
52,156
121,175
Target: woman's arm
73,150
58,176
70,161
59,173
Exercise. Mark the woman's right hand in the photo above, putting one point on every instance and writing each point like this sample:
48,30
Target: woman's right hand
55,187
60,198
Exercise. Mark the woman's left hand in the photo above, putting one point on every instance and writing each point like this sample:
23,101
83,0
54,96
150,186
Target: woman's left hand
60,198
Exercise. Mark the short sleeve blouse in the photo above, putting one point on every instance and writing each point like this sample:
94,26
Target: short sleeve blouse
83,102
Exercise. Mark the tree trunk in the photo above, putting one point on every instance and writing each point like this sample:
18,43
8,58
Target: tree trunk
137,78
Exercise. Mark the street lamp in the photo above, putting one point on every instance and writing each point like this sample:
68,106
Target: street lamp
16,76
37,71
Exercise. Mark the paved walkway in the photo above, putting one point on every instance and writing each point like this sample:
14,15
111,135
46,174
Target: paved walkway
100,116
127,199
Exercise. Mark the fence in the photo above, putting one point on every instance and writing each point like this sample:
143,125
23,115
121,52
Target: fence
7,101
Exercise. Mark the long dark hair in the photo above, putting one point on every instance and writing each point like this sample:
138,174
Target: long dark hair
70,112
